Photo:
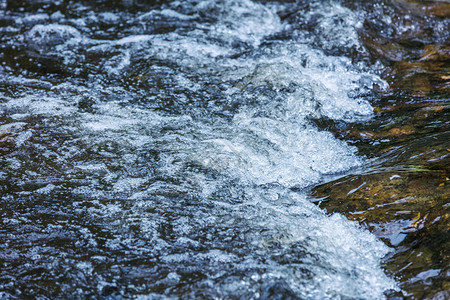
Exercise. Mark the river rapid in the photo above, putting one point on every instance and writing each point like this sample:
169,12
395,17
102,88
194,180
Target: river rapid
166,149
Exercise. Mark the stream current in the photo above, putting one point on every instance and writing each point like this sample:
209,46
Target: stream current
165,150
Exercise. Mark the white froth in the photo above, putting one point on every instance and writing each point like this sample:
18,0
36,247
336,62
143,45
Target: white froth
48,37
244,21
229,176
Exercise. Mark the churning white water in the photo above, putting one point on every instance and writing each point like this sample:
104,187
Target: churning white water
167,152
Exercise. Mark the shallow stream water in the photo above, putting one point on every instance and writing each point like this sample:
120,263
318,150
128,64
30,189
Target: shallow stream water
167,149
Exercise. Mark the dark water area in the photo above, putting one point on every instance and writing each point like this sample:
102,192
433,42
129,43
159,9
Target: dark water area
224,149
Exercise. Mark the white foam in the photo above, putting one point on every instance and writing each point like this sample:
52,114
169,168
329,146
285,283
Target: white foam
245,21
184,176
47,37
134,39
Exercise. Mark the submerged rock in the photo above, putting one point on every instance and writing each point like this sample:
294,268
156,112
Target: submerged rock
409,210
403,195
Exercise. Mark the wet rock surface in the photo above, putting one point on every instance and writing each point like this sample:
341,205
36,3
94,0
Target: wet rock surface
403,194
409,210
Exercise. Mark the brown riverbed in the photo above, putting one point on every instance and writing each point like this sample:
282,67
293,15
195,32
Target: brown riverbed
403,194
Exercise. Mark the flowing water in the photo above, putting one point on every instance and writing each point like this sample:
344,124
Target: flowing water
166,149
